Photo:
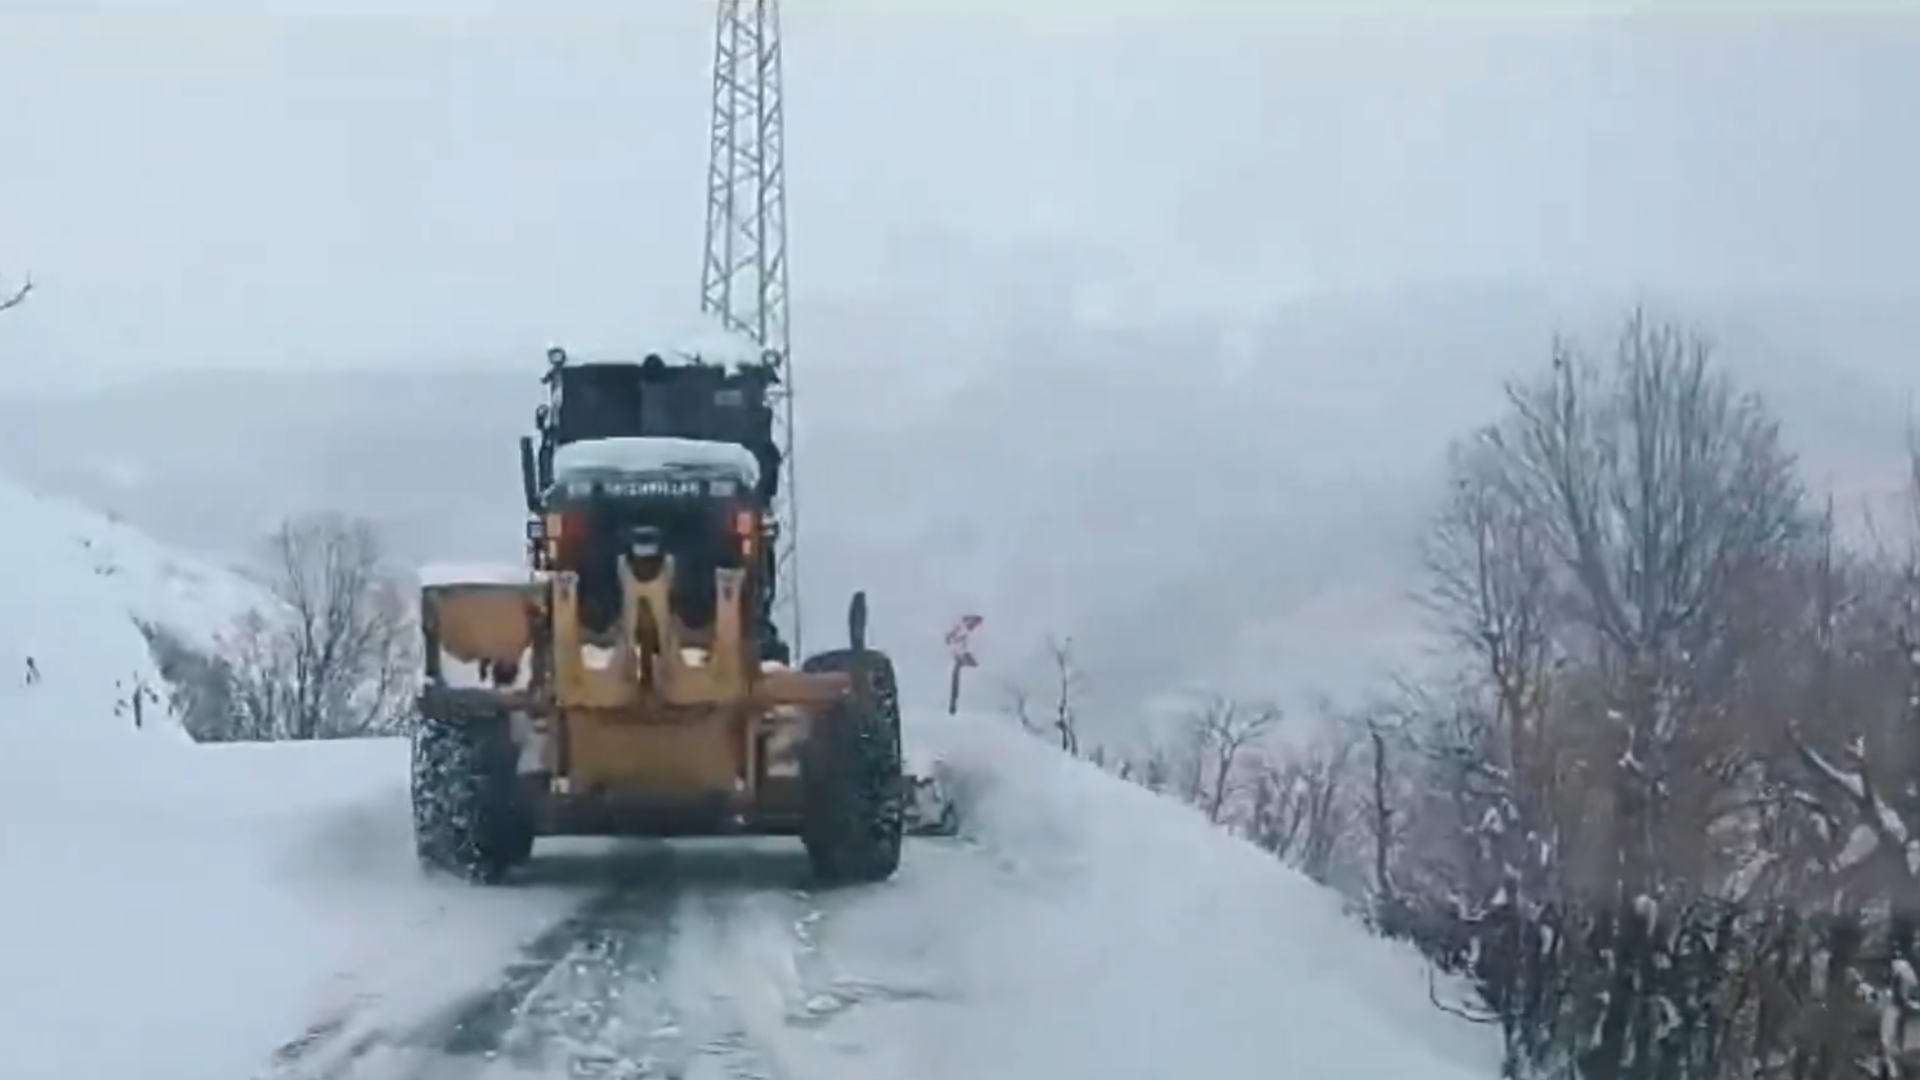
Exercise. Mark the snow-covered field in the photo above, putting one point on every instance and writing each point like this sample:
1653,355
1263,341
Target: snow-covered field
221,913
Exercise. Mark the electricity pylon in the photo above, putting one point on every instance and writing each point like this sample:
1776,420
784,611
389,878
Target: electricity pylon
743,279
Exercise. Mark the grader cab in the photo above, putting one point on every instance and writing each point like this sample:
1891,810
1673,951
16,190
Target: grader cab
629,680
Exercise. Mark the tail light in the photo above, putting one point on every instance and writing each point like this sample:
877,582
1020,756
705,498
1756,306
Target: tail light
746,530
566,532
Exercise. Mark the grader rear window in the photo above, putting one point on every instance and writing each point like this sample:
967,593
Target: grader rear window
600,401
610,401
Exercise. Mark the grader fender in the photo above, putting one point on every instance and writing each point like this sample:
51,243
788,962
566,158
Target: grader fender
480,634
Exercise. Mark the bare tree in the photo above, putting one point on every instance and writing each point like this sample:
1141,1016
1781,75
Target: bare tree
137,697
12,300
1061,721
1219,738
1157,770
198,683
1485,834
1380,807
1491,577
337,656
1858,758
1843,806
1299,802
1066,694
1019,705
1605,565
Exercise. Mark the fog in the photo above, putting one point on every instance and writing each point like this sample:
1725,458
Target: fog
273,185
1145,329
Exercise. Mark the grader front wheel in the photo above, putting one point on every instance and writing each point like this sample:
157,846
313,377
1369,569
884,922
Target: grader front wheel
468,817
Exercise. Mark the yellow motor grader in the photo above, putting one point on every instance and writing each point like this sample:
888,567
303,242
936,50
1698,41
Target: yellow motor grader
628,680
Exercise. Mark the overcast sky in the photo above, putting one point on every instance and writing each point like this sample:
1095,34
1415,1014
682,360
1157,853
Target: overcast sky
254,184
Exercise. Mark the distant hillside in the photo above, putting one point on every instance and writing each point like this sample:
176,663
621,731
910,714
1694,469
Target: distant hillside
1170,495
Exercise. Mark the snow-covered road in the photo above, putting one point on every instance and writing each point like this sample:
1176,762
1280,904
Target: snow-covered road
617,987
1077,927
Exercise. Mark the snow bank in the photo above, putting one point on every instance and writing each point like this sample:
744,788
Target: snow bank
85,794
173,910
1082,926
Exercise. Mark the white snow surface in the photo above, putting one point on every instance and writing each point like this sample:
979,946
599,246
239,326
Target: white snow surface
182,911
704,338
1079,926
173,910
654,454
433,574
190,596
1083,926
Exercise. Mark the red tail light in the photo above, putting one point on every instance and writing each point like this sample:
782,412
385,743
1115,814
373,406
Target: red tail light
567,531
746,529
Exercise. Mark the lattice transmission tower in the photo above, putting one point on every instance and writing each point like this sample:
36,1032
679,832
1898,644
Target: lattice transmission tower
743,279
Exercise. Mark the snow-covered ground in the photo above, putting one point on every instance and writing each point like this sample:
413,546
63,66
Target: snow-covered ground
1079,926
1082,926
178,911
166,908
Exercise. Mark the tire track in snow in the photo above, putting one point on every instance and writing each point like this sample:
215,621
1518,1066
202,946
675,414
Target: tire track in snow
494,1021
615,991
799,975
340,1045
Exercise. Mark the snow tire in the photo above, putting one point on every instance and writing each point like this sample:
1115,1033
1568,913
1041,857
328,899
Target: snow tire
469,819
853,783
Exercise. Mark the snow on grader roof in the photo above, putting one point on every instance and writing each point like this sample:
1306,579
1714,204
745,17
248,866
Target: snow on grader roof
715,344
706,341
652,454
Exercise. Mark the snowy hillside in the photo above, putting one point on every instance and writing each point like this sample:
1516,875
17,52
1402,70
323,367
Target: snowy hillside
169,907
89,895
77,586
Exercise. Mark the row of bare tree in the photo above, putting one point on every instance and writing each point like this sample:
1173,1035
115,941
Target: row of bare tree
1295,794
332,655
1660,805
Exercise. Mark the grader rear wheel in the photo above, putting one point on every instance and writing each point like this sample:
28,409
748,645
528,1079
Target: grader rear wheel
852,777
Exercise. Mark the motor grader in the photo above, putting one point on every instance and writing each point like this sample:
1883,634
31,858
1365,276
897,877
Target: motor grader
628,679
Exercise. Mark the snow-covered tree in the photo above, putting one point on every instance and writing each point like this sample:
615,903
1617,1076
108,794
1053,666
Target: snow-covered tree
1595,567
